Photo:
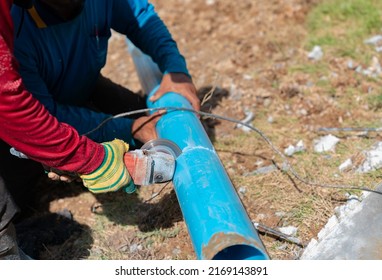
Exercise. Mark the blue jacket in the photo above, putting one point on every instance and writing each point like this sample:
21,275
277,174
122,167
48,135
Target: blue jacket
60,63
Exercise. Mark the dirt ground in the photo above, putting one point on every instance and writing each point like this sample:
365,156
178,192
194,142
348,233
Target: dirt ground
243,49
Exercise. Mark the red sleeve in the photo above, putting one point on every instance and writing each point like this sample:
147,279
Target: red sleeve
26,125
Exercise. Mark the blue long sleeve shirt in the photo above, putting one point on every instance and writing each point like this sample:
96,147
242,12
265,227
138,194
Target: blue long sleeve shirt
60,63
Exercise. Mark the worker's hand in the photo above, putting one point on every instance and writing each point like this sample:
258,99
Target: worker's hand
143,128
179,83
112,174
56,175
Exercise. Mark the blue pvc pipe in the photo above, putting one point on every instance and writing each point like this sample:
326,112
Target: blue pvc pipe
216,219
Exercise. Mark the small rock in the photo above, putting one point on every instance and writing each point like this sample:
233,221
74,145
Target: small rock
247,77
294,149
259,162
325,143
373,40
135,248
242,190
265,169
290,230
316,53
346,165
290,150
350,64
303,112
373,159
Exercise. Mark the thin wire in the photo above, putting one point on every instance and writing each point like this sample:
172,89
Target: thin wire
265,138
157,194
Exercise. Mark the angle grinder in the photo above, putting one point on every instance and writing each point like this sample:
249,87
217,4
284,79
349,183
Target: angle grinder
153,163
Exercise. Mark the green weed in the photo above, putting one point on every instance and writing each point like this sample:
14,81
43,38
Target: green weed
342,25
375,102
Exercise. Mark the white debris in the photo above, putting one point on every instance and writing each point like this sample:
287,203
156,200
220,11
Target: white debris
294,149
247,77
135,247
265,170
290,230
242,190
280,214
325,144
290,150
259,162
316,53
359,69
378,49
373,159
350,64
346,165
374,40
374,71
249,116
375,66
303,112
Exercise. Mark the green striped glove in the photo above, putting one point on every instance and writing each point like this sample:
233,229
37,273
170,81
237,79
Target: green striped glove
112,173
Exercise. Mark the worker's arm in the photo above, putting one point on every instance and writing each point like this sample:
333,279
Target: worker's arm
81,118
142,25
26,125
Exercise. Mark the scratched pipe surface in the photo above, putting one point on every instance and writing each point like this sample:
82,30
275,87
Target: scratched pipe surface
216,219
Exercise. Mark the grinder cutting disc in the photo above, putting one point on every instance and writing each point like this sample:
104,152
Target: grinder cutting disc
162,145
